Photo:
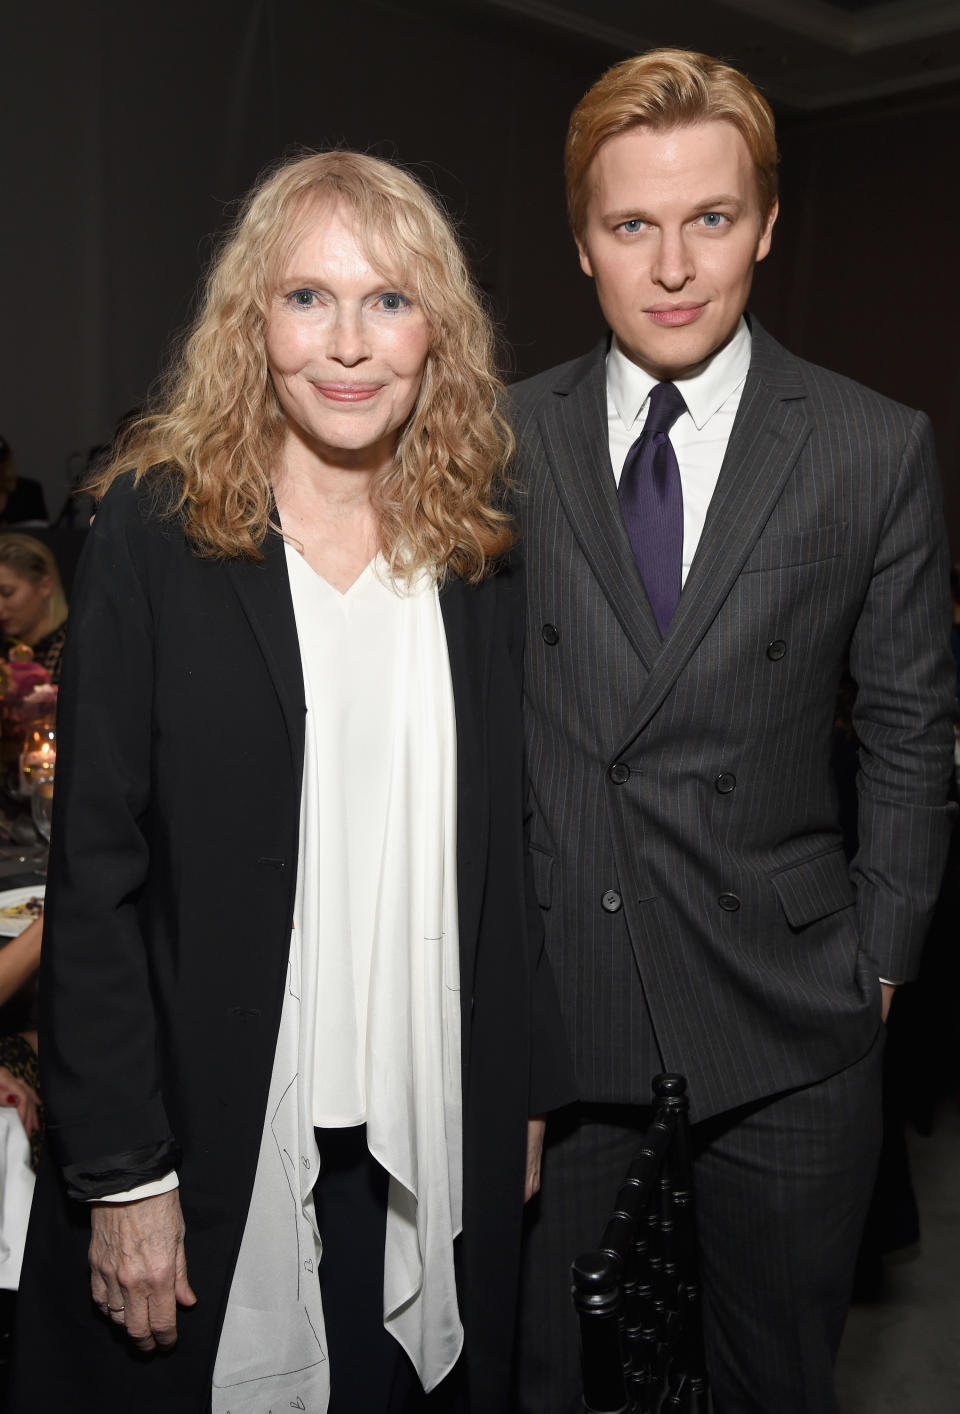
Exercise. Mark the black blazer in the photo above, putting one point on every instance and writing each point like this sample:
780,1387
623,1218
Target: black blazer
170,901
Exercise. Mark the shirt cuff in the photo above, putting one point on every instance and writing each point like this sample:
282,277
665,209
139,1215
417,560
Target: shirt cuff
166,1184
887,983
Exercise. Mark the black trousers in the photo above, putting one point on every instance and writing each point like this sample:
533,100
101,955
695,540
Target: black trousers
369,1371
782,1189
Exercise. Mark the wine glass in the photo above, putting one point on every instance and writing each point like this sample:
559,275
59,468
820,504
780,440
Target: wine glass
41,801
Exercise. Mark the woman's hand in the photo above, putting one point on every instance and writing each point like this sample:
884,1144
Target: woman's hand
23,1096
536,1129
138,1267
20,958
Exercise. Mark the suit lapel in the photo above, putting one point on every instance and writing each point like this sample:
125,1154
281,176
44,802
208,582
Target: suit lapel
769,432
573,423
468,623
263,588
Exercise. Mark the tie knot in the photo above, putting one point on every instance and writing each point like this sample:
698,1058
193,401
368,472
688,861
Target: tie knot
666,405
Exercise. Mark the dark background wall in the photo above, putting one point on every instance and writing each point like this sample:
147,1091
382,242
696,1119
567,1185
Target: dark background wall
127,133
863,274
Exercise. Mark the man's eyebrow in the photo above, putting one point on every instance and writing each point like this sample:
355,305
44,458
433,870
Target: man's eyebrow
708,203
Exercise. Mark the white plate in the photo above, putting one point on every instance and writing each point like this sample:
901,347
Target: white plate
12,927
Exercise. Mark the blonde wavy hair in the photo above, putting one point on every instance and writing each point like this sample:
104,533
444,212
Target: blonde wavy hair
218,428
663,89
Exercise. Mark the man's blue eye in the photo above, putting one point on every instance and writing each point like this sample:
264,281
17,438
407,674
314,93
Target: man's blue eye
712,219
394,301
632,226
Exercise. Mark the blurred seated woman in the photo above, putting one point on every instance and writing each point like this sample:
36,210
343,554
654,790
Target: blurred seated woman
290,925
19,1080
33,606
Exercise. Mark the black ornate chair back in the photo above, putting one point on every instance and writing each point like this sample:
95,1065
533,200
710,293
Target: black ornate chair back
638,1296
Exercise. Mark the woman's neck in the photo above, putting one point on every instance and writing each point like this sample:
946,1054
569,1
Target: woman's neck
326,511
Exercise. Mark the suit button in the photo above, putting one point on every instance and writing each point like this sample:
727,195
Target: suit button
776,650
550,635
611,901
729,903
619,773
725,782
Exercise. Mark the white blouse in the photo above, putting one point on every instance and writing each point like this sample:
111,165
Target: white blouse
370,1031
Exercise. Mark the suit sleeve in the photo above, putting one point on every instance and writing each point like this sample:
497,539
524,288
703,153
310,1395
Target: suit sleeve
99,1048
552,1080
900,658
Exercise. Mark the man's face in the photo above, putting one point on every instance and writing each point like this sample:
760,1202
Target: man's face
672,235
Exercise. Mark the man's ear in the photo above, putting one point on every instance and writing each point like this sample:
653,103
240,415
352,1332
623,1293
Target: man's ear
766,235
584,254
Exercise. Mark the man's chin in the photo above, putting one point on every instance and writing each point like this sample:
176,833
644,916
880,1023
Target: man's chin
680,354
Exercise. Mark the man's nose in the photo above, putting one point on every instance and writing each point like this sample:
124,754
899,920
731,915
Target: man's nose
673,264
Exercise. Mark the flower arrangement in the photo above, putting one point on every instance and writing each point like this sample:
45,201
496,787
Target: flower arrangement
26,692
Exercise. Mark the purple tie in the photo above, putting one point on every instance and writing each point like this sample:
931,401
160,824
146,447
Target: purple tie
651,503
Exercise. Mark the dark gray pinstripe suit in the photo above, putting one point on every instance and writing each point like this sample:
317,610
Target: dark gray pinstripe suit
707,881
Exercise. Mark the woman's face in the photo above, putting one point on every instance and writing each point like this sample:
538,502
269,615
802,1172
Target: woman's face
346,348
24,605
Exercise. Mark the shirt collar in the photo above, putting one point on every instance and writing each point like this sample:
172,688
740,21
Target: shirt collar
704,393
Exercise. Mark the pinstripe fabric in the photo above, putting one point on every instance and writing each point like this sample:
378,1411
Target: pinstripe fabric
755,946
781,1189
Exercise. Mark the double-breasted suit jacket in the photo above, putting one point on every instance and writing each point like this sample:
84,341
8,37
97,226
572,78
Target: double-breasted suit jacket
170,903
687,848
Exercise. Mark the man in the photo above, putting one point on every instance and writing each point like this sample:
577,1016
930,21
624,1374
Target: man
700,913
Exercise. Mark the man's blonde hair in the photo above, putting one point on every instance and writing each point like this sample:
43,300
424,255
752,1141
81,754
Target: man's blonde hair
663,89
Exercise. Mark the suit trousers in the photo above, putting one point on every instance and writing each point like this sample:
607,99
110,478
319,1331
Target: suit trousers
781,1187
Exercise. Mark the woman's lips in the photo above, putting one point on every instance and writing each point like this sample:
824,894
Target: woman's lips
675,314
348,392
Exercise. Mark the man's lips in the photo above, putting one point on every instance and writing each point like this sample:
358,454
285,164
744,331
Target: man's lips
675,314
348,392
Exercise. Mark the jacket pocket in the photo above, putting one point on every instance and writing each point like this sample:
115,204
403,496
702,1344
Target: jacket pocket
542,864
804,547
815,888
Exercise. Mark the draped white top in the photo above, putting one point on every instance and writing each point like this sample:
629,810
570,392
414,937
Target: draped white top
370,1030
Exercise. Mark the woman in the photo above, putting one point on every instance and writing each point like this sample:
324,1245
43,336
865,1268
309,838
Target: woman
291,696
33,606
19,960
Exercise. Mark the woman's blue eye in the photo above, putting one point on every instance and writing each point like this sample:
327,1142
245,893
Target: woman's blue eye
303,299
713,219
393,301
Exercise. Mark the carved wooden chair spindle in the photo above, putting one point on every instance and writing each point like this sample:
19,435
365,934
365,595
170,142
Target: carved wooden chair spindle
638,1296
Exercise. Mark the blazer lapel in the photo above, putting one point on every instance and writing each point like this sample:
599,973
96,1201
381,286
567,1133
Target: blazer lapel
573,424
263,588
769,432
467,621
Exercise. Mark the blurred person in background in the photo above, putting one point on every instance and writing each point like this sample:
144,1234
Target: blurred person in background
33,606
